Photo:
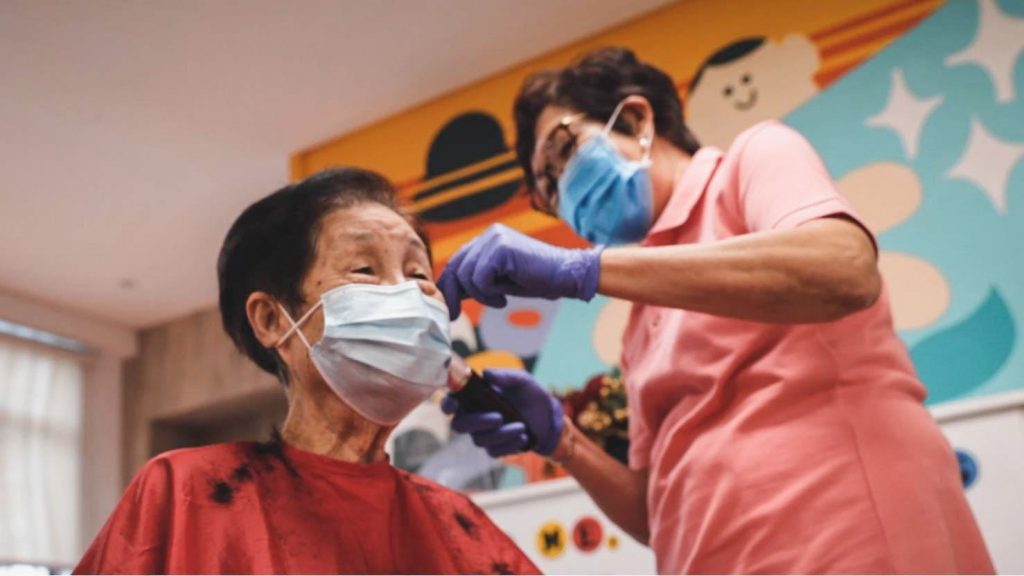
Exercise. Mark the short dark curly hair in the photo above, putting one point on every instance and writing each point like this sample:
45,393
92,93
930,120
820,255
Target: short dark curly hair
272,245
595,84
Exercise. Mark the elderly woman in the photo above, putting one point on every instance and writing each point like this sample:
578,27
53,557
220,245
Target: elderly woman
329,285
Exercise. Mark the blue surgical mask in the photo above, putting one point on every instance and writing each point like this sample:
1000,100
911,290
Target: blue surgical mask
604,197
385,349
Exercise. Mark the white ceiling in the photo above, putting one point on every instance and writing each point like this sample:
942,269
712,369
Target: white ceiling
134,132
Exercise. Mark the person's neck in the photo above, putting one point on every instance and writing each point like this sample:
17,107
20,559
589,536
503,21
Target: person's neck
668,164
319,422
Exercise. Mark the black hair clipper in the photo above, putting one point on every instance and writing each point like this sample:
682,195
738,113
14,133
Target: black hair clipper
475,394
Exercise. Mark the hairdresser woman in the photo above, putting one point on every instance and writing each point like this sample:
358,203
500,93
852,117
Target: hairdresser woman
776,422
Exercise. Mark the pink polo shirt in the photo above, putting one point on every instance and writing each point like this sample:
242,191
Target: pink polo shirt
784,448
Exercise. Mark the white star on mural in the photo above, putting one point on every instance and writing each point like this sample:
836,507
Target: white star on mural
904,114
996,46
988,161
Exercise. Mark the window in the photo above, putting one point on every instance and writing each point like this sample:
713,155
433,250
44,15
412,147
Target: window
40,454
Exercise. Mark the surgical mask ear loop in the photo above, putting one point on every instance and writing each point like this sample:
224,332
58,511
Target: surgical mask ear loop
296,325
646,142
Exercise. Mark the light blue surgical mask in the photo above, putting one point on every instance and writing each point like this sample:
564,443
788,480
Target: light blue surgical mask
604,197
385,348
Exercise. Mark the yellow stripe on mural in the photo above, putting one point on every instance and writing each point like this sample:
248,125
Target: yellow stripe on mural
460,173
909,12
467,189
857,56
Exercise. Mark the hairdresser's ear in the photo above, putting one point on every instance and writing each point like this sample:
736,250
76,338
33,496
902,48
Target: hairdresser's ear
266,319
638,113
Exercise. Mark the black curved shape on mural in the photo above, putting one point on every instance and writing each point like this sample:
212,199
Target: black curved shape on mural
465,140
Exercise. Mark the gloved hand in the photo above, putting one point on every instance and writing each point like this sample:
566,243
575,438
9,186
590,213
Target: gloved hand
541,411
503,261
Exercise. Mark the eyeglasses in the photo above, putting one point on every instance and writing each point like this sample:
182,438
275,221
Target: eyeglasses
554,152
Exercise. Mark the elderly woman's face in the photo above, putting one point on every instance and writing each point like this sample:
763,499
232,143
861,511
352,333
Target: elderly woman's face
369,244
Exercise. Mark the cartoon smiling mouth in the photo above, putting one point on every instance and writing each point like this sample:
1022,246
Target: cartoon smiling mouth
740,105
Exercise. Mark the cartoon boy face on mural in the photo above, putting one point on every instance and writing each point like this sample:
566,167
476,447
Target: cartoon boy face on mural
747,81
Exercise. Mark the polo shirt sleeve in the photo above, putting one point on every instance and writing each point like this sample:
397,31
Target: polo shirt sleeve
783,183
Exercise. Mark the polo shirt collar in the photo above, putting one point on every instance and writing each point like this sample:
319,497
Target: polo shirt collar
688,190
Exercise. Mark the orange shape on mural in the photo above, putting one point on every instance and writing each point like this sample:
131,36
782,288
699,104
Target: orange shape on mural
524,318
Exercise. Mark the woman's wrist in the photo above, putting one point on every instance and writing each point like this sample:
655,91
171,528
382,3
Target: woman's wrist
565,450
584,265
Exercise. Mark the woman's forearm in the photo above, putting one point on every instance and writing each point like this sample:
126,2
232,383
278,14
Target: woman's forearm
817,272
619,492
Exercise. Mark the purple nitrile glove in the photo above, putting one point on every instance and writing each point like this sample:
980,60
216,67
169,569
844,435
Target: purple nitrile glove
541,412
503,261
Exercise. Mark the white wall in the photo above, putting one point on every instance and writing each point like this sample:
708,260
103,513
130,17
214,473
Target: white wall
991,430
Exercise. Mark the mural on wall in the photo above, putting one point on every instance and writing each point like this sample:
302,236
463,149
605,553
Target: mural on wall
936,121
850,76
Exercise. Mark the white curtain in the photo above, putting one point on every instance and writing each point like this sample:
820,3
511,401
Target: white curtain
40,454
